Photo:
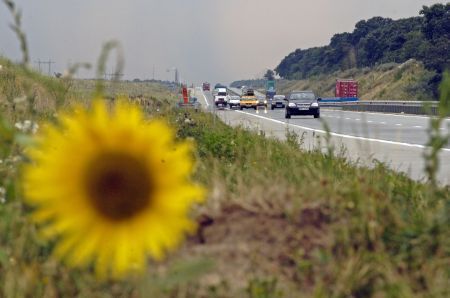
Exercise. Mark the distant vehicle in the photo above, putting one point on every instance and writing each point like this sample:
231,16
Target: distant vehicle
302,103
234,101
346,88
262,101
206,86
221,98
216,88
270,94
218,85
270,89
247,91
248,99
278,102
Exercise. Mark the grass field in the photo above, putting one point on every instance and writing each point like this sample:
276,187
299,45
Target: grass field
278,222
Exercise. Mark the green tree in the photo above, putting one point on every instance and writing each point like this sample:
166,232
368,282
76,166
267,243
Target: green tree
270,75
436,21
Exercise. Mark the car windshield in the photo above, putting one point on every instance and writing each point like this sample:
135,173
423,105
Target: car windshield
303,96
279,97
235,97
222,93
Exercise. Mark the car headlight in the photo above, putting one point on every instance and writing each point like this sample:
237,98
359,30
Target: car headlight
292,105
314,105
265,101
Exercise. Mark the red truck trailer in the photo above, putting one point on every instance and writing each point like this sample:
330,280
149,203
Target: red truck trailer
346,88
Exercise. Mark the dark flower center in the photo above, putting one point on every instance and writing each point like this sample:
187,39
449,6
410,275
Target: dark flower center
118,185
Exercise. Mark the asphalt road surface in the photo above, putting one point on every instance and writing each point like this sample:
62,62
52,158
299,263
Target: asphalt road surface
398,140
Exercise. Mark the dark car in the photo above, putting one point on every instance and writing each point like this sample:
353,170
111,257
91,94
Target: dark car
302,103
278,101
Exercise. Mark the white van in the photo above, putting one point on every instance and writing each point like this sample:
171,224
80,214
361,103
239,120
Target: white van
221,98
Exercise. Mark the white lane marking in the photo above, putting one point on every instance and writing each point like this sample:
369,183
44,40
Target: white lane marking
398,124
347,119
357,119
341,135
383,122
417,126
204,97
369,121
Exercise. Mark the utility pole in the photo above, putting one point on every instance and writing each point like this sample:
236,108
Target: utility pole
49,64
113,76
39,62
177,81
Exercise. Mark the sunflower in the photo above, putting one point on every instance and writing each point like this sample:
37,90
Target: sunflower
111,188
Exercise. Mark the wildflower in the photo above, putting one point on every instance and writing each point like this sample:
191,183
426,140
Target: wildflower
34,128
111,187
19,126
15,159
27,126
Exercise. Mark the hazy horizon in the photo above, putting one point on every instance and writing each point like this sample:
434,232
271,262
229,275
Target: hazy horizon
216,41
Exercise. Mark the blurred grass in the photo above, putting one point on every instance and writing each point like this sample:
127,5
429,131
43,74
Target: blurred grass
381,234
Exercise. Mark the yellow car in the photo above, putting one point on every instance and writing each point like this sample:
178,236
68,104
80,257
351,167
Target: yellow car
249,100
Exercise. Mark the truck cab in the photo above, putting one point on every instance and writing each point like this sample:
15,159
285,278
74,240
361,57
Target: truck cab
221,97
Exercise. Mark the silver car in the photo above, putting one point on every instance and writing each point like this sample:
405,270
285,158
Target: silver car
234,101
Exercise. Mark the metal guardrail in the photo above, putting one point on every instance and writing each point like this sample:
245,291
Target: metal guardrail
395,106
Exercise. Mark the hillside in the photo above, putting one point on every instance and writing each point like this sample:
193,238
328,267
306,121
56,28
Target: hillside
26,91
406,81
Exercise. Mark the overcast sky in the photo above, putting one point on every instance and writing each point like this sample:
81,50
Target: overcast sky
207,40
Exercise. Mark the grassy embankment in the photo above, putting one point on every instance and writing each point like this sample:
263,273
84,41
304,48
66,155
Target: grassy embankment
279,222
407,81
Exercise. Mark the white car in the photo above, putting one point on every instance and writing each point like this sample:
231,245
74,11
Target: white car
234,101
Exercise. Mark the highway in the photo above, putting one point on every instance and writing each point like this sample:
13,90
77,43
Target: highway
398,140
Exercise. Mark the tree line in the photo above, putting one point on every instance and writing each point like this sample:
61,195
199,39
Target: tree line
378,40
